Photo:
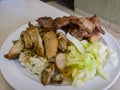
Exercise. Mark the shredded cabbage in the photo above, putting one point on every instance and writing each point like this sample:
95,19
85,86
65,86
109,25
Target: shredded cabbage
86,60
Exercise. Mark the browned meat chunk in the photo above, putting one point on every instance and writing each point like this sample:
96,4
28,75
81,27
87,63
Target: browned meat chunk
62,42
57,78
61,22
94,38
39,45
45,22
36,40
72,17
79,34
87,25
96,22
27,40
84,24
15,49
60,61
51,45
47,74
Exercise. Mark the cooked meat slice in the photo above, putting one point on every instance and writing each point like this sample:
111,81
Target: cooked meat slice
39,45
47,74
62,42
15,49
87,25
57,78
33,36
79,34
27,40
94,38
45,22
73,31
37,41
51,45
60,61
72,17
96,22
84,24
61,22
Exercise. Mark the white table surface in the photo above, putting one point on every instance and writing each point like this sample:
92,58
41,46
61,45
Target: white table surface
15,13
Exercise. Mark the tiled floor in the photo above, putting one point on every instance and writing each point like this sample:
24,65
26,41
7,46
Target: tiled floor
110,27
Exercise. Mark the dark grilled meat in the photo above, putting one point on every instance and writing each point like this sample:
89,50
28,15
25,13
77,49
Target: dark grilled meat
84,24
94,19
46,22
79,34
61,22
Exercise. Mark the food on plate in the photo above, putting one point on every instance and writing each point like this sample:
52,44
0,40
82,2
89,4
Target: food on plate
15,50
60,61
63,49
47,74
46,23
62,41
36,40
60,22
51,45
34,64
26,39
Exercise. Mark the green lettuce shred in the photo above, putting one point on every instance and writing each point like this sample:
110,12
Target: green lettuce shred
89,63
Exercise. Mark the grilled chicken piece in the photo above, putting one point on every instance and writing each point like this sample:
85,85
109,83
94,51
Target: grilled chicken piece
62,42
36,40
51,45
46,22
94,38
39,45
27,40
61,22
57,78
79,34
84,24
47,74
96,22
15,49
60,61
87,25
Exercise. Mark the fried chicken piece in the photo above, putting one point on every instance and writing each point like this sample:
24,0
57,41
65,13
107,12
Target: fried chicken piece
72,17
47,74
96,22
15,49
57,78
62,42
84,24
27,40
61,22
51,45
36,40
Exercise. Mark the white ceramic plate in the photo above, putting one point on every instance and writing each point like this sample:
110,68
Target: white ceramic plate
20,79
